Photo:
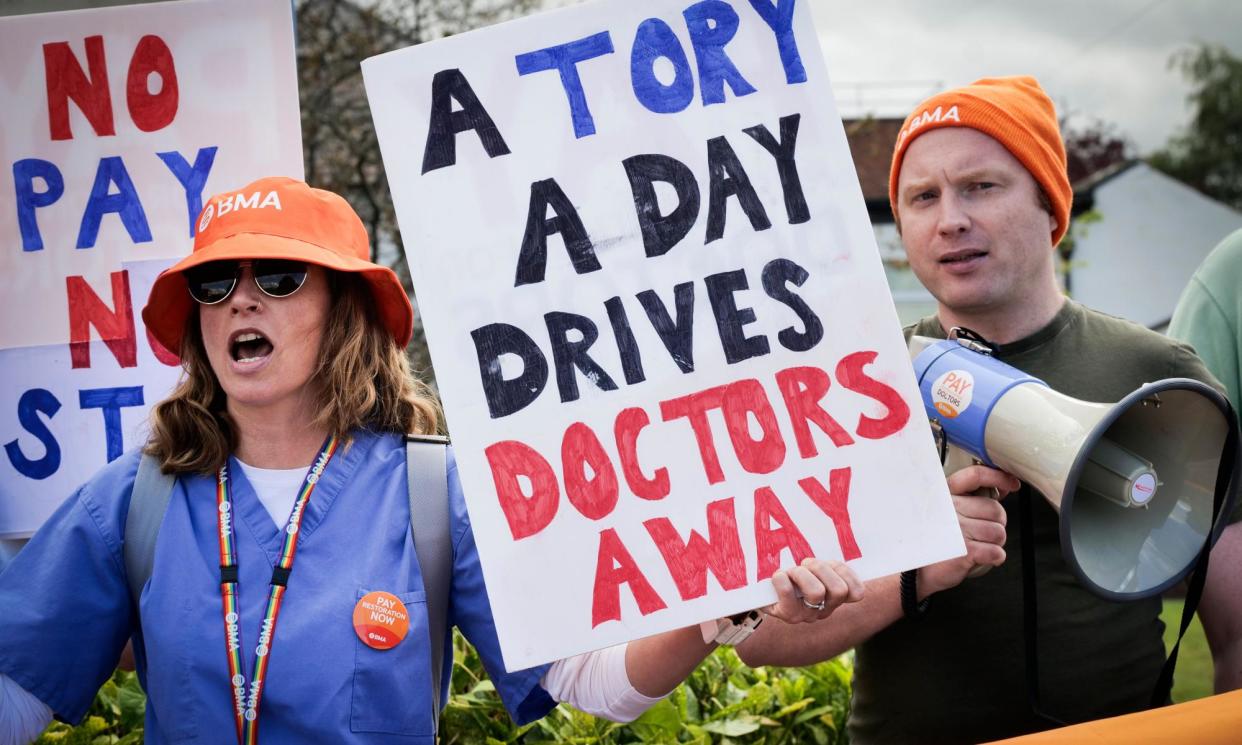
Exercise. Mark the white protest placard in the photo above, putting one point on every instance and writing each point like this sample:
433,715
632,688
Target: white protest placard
115,125
658,318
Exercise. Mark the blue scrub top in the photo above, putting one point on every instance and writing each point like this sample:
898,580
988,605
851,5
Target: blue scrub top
65,611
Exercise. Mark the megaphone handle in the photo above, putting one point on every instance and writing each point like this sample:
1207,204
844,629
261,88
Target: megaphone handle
990,492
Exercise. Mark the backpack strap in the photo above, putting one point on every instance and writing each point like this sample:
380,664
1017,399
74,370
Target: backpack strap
426,463
147,504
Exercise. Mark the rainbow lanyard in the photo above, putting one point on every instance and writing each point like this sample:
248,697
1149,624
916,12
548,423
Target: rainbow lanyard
246,707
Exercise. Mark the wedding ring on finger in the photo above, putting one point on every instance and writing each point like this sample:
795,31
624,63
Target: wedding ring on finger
814,606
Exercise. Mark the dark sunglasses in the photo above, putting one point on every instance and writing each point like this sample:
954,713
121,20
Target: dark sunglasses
214,281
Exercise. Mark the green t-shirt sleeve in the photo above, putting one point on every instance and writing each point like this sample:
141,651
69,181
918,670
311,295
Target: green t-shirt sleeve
1184,363
1202,323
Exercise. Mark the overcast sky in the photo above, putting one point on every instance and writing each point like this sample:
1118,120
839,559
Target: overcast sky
1105,59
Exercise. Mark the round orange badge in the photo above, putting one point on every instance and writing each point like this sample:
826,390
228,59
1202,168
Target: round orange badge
381,620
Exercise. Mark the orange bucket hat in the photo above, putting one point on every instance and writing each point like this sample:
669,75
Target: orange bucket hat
1015,112
277,218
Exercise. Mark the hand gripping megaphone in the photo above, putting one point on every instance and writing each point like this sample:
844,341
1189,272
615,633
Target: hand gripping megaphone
1134,482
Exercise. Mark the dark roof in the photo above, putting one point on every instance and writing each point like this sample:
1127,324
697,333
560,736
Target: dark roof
1084,189
871,145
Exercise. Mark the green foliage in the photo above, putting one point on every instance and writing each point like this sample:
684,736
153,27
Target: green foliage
115,718
1208,153
1193,678
723,702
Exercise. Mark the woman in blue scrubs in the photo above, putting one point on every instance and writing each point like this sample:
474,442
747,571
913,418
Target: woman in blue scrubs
289,514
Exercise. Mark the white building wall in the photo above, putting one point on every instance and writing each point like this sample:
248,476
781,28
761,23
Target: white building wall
1153,233
913,301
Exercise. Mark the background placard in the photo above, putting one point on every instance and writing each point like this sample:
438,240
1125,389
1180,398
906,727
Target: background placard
115,125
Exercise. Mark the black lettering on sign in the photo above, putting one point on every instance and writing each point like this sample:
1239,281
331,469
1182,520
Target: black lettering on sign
662,232
533,258
504,397
728,179
445,124
567,355
786,167
676,333
731,319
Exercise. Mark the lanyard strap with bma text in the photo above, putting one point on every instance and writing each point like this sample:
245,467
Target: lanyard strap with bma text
246,707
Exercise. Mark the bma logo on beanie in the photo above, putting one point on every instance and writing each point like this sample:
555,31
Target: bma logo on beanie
928,117
236,202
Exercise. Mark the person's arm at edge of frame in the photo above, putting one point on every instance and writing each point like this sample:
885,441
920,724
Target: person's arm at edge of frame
658,664
982,521
1221,609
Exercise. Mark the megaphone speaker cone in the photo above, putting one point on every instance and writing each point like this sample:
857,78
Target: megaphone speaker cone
1134,482
1137,506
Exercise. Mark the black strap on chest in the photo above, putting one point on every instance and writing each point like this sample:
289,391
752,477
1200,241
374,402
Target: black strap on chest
1030,606
1226,483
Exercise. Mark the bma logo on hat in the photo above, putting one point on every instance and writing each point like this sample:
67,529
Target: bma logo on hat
205,220
928,117
237,202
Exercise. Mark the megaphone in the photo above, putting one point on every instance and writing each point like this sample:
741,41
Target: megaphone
1133,481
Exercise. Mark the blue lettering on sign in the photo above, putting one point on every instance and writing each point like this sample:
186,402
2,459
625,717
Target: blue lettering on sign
32,403
125,203
712,24
111,400
192,178
28,200
565,58
779,17
655,40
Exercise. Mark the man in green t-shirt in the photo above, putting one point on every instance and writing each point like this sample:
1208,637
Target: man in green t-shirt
980,194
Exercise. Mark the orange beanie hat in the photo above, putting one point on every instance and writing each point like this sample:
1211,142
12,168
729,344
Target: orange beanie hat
1013,111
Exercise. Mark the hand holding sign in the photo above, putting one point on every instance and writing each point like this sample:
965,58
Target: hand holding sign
812,590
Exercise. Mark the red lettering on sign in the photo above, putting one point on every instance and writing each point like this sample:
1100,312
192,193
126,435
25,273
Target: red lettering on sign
149,111
594,495
771,541
834,502
688,561
626,428
614,567
526,514
66,80
115,327
744,399
803,388
850,373
695,407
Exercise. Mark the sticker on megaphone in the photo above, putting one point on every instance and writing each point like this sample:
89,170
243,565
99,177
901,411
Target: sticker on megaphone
952,392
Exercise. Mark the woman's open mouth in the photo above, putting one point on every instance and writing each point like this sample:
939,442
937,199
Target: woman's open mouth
250,347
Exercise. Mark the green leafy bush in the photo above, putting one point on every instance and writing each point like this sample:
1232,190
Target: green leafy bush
723,701
115,717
